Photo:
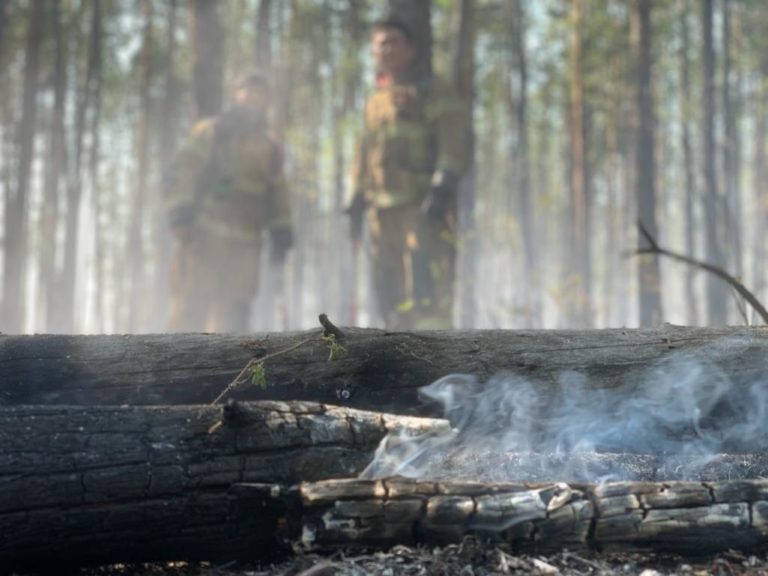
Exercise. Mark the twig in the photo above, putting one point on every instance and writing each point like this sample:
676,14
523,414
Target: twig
254,361
329,328
654,248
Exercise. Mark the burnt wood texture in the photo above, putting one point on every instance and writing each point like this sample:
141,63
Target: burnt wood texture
691,518
128,484
379,370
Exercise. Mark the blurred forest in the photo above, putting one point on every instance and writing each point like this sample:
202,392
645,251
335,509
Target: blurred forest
588,115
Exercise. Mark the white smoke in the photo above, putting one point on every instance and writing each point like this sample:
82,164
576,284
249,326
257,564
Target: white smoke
674,421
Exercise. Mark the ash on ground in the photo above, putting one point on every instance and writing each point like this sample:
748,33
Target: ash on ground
470,558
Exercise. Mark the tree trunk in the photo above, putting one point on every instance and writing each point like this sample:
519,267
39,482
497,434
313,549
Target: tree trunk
688,162
730,148
717,293
55,171
208,58
66,310
464,79
263,57
130,484
380,371
649,275
136,252
579,267
15,233
526,213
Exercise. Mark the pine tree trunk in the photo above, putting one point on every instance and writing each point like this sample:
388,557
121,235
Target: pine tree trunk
689,174
717,294
55,172
16,229
649,275
208,58
580,273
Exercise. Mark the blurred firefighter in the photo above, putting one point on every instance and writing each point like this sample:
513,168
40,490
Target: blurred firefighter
405,181
226,188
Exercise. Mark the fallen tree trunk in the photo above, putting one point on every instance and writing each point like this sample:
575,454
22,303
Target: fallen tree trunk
376,370
124,484
691,518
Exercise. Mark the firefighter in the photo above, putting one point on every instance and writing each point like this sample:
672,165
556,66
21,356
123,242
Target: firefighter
226,189
405,184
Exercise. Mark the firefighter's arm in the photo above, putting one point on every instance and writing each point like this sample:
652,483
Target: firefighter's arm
183,178
448,124
280,230
355,204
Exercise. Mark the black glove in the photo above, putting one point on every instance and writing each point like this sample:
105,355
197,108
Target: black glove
281,240
356,213
442,194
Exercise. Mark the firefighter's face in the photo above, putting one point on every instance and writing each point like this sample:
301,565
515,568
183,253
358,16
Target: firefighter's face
253,97
392,51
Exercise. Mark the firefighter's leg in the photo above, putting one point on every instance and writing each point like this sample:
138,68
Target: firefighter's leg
236,266
436,259
391,278
188,306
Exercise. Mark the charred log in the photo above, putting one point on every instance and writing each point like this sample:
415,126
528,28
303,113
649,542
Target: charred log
692,518
380,370
123,484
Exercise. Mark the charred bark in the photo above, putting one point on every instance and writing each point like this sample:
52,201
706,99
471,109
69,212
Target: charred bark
691,518
124,484
379,370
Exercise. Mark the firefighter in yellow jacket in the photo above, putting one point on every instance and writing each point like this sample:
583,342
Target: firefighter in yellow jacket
226,189
405,182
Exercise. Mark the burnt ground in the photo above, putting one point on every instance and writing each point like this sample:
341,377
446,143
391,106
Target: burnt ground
470,558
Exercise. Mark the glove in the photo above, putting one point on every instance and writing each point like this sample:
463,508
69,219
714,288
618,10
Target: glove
281,240
356,213
442,194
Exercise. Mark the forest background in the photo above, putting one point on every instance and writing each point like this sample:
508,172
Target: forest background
588,115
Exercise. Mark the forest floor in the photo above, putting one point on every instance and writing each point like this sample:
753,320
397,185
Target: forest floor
470,558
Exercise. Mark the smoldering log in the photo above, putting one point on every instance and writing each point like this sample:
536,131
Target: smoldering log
380,370
691,518
123,484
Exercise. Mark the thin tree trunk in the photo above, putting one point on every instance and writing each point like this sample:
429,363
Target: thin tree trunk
263,45
526,212
579,251
208,58
464,79
649,275
760,162
55,170
15,246
688,161
731,136
717,294
100,233
65,317
136,251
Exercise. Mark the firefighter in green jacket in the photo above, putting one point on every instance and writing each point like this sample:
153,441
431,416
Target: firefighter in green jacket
226,189
405,183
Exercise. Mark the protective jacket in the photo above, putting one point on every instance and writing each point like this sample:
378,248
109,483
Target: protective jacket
228,179
413,128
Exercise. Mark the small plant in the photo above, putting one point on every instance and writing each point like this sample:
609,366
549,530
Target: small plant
258,375
336,350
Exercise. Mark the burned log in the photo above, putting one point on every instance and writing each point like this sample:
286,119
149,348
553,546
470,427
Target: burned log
692,518
122,484
375,370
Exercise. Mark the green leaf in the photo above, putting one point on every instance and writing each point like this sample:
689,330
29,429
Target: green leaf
336,350
258,375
